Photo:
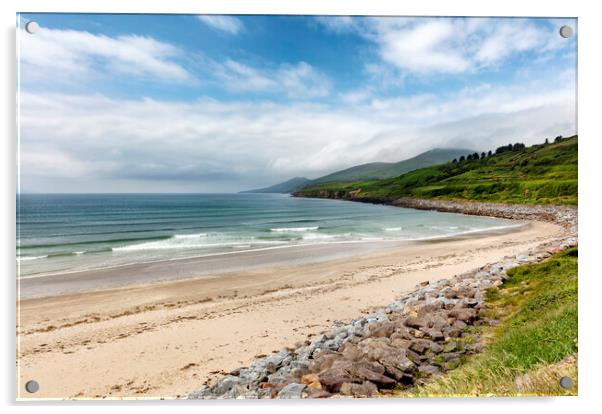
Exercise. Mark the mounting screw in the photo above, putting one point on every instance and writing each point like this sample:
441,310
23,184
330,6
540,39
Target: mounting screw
566,31
32,27
566,383
32,386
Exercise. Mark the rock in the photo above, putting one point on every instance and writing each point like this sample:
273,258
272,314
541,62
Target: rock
315,393
201,394
351,352
469,303
417,334
449,356
401,343
309,379
332,378
375,377
435,334
428,369
463,314
292,391
382,329
225,384
413,356
415,322
365,389
238,391
450,294
510,265
273,362
394,360
420,346
323,361
280,378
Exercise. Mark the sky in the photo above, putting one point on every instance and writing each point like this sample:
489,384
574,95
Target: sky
216,103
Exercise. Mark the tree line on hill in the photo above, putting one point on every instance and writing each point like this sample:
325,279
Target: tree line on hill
518,146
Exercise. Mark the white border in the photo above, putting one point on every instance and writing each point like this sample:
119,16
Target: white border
590,96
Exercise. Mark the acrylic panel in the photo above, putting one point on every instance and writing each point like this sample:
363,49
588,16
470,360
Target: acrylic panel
292,207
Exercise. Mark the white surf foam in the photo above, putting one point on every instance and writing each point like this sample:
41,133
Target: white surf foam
190,236
28,258
295,229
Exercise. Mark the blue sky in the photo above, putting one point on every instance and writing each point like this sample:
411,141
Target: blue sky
186,103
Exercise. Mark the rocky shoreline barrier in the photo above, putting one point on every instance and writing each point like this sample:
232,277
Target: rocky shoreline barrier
565,216
420,335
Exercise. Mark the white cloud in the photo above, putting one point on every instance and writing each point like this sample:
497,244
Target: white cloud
337,24
450,45
424,47
241,77
227,24
508,37
52,162
53,54
300,80
208,145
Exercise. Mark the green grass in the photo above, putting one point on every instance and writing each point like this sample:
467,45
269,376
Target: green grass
540,174
534,346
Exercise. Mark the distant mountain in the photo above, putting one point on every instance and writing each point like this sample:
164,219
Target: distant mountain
380,170
370,171
286,187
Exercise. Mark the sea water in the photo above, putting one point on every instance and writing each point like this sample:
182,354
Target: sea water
60,233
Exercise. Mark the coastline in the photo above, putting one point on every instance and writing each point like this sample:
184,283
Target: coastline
166,339
565,216
219,264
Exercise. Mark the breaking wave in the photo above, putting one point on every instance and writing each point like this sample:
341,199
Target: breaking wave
294,229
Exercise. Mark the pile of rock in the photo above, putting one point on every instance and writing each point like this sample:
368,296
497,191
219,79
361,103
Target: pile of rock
565,216
420,335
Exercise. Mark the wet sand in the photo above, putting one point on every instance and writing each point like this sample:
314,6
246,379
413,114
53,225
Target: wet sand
164,339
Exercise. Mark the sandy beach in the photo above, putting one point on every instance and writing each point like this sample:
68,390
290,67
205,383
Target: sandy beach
165,339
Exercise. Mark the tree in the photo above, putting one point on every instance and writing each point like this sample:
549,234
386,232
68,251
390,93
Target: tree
475,156
546,142
482,155
455,161
504,148
489,154
462,158
558,138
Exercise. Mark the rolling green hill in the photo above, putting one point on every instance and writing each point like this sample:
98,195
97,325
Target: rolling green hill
380,170
540,174
370,171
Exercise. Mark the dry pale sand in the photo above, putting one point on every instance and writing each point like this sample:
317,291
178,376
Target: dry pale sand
166,339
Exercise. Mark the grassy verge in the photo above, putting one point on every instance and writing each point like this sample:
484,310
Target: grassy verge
535,344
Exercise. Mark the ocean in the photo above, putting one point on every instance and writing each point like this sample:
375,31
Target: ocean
64,233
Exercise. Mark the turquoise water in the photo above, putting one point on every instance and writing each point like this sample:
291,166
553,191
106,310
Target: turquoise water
66,233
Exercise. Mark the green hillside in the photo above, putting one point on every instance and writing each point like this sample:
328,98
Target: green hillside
380,170
540,174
